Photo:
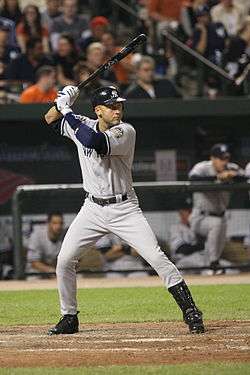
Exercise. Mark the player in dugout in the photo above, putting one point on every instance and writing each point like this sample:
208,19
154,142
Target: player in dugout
209,208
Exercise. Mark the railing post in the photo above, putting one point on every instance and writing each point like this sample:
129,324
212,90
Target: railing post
19,258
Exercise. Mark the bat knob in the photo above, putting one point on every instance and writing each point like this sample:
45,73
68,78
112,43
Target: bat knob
141,38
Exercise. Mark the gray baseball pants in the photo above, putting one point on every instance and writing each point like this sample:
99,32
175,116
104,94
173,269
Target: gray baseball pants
126,220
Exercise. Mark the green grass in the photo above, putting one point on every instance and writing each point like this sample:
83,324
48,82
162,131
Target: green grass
124,304
195,369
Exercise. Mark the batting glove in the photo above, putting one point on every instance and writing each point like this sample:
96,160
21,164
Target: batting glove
72,92
62,103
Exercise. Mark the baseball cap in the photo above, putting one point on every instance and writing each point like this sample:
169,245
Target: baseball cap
99,21
202,10
220,150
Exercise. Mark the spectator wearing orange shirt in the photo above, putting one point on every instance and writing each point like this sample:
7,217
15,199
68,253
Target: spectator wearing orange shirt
44,90
31,27
165,12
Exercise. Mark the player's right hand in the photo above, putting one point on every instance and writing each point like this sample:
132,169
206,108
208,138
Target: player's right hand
62,101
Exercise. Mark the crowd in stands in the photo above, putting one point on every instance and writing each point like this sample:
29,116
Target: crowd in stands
75,37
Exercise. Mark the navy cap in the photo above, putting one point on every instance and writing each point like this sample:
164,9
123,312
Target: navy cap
220,150
202,10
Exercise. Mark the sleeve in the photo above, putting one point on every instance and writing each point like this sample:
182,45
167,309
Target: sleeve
176,240
34,248
241,176
120,139
66,130
199,173
25,97
153,6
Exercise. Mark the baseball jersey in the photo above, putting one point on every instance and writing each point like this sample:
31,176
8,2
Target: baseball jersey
215,201
180,234
41,248
106,175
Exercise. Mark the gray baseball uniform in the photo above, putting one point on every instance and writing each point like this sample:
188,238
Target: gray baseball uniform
105,177
41,248
182,236
124,262
208,214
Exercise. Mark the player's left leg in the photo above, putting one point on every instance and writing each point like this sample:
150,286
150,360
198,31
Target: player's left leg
133,228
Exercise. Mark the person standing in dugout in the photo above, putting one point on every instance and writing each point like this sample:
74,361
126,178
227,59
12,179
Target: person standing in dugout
106,150
209,208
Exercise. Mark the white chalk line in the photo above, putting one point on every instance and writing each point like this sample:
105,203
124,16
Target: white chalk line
85,350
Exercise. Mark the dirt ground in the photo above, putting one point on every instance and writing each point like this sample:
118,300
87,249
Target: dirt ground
102,282
127,343
124,344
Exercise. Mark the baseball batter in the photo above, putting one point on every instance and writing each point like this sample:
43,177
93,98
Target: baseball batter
106,149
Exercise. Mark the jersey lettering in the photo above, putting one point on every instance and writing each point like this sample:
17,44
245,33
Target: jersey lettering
87,151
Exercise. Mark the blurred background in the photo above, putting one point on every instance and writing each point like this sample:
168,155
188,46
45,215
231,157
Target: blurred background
187,89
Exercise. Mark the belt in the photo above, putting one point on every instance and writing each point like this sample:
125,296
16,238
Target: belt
209,213
107,201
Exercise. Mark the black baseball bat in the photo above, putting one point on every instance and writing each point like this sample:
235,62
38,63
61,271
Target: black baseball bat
130,47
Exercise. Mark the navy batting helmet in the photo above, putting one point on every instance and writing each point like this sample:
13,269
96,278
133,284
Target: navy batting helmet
105,96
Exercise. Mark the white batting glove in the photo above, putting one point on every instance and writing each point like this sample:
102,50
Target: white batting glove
72,92
62,103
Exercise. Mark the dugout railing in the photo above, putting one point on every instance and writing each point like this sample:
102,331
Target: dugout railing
152,196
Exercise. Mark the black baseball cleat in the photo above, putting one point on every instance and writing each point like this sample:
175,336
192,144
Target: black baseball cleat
68,324
193,318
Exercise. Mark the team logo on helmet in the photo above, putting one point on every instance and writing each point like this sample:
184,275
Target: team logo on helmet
114,94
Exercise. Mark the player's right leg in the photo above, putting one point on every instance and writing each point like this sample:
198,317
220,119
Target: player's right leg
134,229
85,230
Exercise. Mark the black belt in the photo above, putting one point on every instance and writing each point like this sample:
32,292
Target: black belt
107,201
209,213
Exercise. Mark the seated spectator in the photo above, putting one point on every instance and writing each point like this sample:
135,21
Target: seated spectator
52,11
98,26
122,69
165,10
69,22
31,27
10,25
11,10
95,57
145,85
7,52
236,56
208,217
188,17
209,38
229,14
24,67
44,90
44,245
81,73
186,249
118,256
65,58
